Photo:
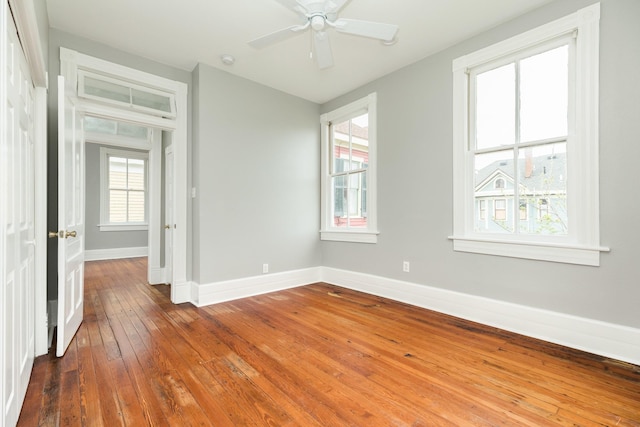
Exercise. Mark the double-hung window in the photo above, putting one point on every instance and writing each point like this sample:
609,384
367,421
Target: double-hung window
123,177
526,140
349,172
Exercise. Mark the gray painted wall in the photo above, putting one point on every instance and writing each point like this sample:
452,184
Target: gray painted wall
56,40
256,170
415,216
94,238
42,16
255,164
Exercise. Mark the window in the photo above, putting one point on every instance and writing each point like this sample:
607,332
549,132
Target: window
527,109
123,177
125,94
348,172
499,209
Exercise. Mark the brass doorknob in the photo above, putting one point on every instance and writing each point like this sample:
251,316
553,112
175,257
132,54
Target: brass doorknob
168,226
68,234
54,234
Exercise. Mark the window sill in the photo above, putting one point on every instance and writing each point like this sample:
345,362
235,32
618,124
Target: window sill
568,254
350,236
123,227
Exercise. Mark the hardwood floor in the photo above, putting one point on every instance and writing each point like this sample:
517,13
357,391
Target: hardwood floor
312,356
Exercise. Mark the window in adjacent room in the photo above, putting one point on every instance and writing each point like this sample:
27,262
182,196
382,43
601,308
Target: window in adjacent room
526,110
348,167
123,185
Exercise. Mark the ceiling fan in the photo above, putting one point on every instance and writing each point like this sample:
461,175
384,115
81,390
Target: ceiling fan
319,15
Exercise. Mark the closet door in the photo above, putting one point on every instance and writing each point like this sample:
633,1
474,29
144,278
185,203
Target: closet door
17,272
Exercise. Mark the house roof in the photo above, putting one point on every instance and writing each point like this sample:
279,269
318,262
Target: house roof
548,173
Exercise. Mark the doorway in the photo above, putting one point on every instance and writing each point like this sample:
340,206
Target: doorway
83,69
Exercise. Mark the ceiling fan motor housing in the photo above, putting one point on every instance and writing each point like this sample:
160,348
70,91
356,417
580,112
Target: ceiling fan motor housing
317,22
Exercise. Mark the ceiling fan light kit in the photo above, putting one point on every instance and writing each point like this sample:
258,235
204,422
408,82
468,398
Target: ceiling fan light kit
319,16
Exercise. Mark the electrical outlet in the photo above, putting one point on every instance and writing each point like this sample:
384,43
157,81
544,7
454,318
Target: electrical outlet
265,268
406,266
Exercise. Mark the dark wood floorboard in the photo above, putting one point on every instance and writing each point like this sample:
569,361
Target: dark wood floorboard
318,355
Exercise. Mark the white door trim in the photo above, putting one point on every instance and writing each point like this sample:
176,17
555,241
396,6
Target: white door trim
69,62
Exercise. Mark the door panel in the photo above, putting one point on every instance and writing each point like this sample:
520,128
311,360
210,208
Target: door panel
70,217
17,191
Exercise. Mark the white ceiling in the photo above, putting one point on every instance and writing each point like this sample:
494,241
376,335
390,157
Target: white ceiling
183,33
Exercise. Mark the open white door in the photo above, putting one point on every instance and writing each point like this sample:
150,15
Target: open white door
70,217
169,223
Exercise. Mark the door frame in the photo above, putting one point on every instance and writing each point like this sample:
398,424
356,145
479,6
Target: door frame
70,61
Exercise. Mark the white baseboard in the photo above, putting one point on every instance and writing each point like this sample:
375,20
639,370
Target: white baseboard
211,293
157,275
115,253
181,292
593,336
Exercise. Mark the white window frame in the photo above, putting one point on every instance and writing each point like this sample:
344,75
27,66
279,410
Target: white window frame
328,231
582,244
105,224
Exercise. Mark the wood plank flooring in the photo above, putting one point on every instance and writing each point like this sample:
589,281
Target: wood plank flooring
318,355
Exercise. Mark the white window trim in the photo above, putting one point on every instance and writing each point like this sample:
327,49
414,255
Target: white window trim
327,231
582,246
105,225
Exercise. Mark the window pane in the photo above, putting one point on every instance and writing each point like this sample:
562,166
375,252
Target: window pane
136,206
544,95
151,100
340,152
117,172
133,131
351,143
340,204
495,107
136,174
493,178
357,199
543,186
360,141
107,90
94,124
117,206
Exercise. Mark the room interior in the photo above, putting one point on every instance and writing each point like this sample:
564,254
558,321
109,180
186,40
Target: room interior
253,164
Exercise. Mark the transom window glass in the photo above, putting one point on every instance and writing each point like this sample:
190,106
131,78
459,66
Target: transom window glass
136,97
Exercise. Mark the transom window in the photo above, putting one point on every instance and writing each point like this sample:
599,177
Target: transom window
526,141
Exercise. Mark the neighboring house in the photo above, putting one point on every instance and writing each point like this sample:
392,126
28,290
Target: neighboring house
541,196
354,196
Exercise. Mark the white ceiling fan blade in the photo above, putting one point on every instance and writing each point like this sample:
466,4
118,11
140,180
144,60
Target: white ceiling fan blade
322,48
374,30
277,36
